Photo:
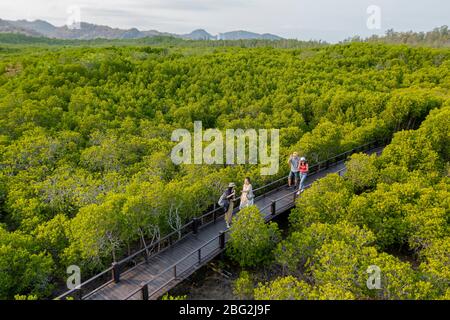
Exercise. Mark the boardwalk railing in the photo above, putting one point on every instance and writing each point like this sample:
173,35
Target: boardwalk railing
182,268
113,273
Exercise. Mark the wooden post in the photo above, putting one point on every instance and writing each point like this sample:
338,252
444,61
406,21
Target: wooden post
195,225
146,255
116,272
144,291
222,240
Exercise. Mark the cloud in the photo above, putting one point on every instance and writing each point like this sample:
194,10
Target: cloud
200,5
329,20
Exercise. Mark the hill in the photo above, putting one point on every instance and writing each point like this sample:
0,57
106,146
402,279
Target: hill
89,31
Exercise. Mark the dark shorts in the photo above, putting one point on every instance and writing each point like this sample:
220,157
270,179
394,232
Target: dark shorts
294,175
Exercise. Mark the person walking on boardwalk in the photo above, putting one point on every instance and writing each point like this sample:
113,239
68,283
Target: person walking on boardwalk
227,202
303,168
294,173
247,194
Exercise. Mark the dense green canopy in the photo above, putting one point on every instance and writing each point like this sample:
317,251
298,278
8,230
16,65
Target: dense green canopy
85,143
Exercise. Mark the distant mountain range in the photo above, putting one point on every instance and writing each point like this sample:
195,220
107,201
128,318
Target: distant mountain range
88,31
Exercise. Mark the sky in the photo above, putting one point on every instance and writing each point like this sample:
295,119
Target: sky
329,20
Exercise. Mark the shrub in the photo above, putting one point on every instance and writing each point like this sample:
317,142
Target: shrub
169,297
286,288
383,212
326,201
299,247
251,239
330,291
243,286
399,281
25,297
341,264
362,172
436,263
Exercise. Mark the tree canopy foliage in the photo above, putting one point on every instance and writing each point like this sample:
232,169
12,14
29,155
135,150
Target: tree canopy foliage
383,206
85,144
438,37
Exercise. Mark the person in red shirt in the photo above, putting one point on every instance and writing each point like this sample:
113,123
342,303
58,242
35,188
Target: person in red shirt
303,169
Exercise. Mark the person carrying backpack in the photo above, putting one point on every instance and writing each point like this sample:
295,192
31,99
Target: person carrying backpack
226,201
294,175
303,168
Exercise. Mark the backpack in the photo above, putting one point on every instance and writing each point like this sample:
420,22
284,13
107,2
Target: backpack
223,200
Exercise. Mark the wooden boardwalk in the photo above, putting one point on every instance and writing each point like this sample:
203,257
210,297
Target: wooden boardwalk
165,269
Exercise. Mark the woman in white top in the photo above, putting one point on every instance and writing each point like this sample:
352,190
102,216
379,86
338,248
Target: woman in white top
247,194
